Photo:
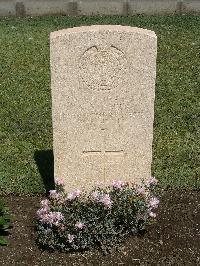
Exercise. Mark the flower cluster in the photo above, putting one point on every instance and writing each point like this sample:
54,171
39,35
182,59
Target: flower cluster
145,188
117,184
73,195
141,190
102,198
76,220
59,182
106,201
45,215
79,225
45,203
70,238
153,204
53,194
50,218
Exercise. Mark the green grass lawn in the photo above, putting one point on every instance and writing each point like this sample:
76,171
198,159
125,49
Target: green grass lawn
25,98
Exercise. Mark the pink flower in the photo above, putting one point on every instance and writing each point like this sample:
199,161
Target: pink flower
152,214
59,182
117,184
44,209
141,190
106,201
70,196
45,203
95,195
79,225
42,214
152,181
53,194
73,195
51,218
77,193
70,238
153,202
54,218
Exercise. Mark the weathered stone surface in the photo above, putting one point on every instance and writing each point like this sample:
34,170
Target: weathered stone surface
20,9
103,88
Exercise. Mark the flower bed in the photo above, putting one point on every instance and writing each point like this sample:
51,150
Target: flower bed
101,218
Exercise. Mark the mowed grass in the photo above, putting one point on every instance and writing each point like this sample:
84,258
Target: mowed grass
25,97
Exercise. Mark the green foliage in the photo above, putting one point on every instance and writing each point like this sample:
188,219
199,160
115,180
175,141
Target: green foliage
5,222
25,95
99,219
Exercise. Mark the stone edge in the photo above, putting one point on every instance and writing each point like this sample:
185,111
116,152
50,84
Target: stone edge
95,28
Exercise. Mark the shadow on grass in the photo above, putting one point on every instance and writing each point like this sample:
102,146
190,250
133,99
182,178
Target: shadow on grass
45,163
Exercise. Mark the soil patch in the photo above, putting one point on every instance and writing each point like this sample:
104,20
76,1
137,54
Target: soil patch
173,240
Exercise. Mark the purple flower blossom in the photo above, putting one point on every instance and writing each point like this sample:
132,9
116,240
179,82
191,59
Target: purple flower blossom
79,225
51,218
152,214
53,194
95,195
70,196
73,195
59,182
153,202
54,218
103,198
43,210
106,201
117,184
70,238
42,214
45,203
152,181
77,193
141,190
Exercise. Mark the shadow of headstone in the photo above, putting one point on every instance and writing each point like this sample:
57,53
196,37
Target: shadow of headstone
45,163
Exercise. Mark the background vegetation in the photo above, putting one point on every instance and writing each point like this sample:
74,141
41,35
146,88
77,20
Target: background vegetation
25,96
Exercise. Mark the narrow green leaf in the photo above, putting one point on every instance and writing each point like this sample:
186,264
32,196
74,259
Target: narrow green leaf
3,241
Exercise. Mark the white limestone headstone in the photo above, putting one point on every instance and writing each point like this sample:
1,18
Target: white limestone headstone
103,89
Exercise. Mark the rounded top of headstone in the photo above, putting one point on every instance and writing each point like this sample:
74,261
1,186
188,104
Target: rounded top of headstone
102,28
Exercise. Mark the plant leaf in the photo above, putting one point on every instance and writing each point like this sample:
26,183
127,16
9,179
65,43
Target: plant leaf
3,241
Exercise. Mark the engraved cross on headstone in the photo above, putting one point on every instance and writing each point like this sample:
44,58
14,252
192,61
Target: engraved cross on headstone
104,152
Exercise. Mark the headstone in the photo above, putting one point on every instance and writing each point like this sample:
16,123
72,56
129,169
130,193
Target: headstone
103,89
20,9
